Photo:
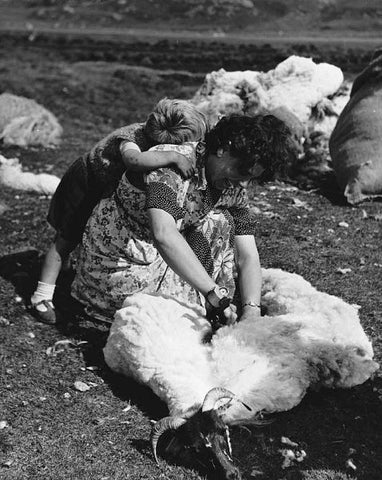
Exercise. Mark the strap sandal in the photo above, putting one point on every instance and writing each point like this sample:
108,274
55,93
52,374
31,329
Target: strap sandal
44,312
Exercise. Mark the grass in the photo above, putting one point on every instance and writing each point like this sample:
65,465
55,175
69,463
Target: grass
297,17
54,431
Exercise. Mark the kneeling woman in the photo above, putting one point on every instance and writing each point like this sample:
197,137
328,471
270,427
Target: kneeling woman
193,239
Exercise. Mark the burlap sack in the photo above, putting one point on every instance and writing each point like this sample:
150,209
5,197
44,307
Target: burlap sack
356,141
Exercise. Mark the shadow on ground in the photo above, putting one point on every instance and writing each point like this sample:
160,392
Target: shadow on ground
22,270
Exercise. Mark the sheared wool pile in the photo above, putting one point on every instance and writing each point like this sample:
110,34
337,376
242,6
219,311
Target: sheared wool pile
307,339
13,176
309,97
23,122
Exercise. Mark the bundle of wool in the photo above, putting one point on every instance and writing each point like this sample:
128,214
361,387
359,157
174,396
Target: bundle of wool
23,122
12,176
307,339
297,84
307,96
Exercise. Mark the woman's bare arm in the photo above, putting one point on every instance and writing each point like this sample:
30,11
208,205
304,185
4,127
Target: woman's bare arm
249,270
177,253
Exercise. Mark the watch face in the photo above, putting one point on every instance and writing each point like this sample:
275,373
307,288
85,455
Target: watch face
223,291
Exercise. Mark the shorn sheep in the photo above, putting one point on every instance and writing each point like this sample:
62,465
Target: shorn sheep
306,339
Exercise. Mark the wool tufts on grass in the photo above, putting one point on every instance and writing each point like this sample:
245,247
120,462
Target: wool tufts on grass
23,122
308,339
13,176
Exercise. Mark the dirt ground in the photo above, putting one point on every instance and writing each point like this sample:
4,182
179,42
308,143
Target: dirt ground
53,430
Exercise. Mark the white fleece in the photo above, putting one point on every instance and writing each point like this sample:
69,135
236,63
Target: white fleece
308,339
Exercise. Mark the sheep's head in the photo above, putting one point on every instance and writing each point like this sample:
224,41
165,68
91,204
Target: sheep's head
204,432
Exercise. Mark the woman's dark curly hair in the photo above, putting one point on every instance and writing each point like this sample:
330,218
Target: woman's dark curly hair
259,140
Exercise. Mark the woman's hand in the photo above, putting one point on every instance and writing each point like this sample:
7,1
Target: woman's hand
230,315
220,318
250,313
185,165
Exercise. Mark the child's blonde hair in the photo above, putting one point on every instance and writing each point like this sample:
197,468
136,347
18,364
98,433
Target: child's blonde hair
175,121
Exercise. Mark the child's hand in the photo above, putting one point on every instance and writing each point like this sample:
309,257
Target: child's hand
185,165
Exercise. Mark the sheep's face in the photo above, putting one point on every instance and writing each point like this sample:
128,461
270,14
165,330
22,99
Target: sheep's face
202,432
206,433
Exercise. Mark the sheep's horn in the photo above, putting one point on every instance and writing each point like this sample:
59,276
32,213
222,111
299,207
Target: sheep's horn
216,394
160,427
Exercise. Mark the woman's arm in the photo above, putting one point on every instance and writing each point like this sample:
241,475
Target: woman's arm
177,253
249,270
138,161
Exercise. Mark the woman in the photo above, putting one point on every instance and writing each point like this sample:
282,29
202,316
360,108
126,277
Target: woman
193,239
96,174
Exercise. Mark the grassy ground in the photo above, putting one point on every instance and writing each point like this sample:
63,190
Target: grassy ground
296,17
54,431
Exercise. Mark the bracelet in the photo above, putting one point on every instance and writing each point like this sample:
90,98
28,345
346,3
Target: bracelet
251,304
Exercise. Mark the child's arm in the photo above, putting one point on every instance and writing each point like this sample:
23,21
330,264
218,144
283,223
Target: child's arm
138,161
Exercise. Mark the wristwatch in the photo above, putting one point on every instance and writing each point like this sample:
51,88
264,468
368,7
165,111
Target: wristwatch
218,298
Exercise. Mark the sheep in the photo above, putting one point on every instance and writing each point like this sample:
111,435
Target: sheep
307,339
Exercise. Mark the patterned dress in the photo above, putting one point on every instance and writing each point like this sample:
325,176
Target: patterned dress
117,257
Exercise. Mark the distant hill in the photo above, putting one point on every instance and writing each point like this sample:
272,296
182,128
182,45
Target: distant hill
282,17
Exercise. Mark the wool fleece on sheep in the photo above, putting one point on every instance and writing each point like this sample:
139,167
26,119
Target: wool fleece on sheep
307,339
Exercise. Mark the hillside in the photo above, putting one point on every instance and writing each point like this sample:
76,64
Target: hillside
222,17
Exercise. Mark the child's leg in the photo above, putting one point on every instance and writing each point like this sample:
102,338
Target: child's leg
55,258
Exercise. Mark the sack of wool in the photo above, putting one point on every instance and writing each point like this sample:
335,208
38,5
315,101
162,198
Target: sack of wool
23,122
12,176
356,141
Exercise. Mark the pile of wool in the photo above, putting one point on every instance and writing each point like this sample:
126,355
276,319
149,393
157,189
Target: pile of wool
13,176
309,97
308,339
23,122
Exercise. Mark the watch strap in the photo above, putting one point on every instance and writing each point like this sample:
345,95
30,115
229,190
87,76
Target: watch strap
218,298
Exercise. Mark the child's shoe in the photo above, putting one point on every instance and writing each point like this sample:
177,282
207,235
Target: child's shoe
43,311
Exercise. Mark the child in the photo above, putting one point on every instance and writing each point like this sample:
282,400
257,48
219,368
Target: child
96,174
